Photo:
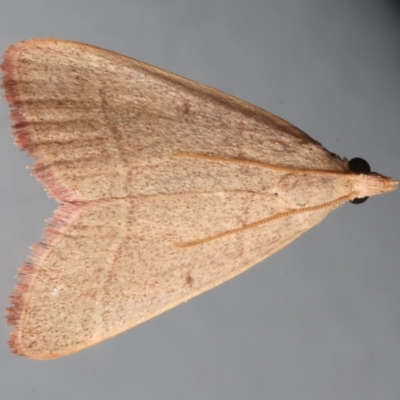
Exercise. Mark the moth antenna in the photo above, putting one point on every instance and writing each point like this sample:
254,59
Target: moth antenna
261,165
264,221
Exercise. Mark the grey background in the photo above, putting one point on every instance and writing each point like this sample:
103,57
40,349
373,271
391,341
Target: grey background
320,319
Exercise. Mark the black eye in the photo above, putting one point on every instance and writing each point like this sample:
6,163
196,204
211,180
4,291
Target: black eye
359,166
358,200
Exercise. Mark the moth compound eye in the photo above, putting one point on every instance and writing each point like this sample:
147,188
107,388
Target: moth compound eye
359,166
358,201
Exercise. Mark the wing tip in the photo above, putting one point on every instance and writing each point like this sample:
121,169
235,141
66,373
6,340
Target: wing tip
54,186
10,80
26,275
56,226
13,97
23,130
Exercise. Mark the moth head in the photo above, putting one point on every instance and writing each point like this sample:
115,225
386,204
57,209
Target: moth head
367,183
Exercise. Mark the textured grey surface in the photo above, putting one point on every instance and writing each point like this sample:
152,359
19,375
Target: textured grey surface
320,319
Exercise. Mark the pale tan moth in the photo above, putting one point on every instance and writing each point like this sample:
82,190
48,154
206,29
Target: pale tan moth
167,189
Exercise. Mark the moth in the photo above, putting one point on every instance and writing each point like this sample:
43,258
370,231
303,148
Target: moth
167,189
